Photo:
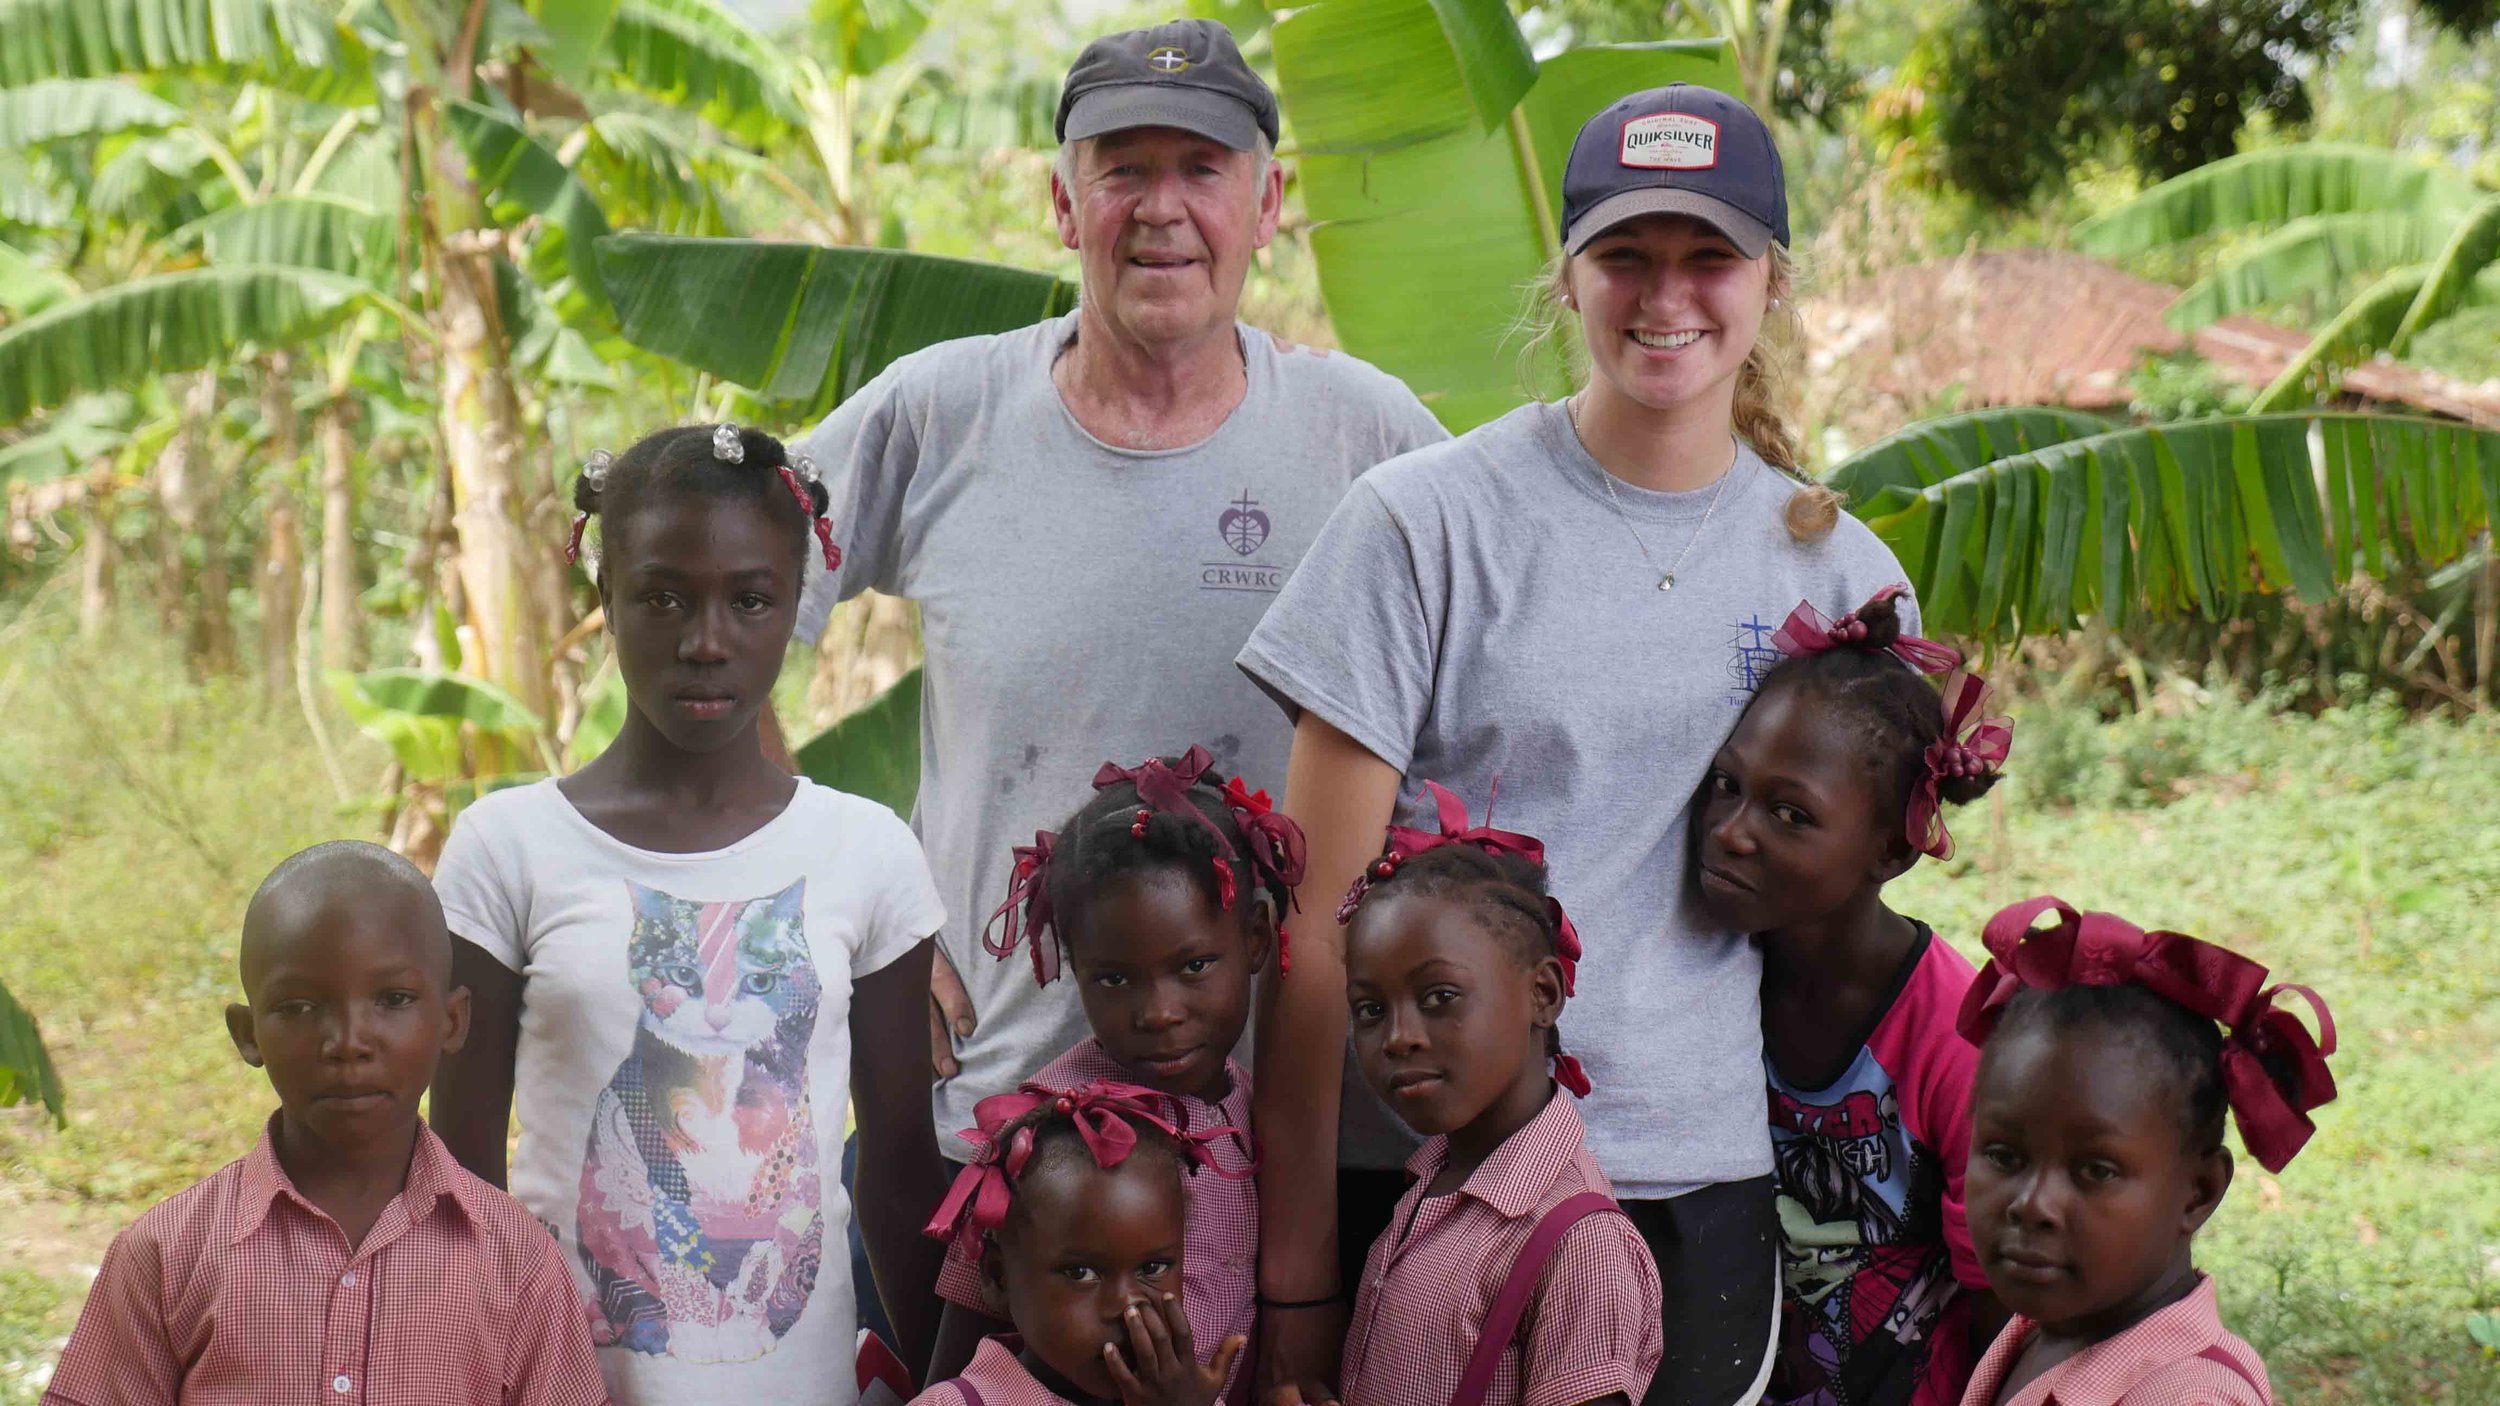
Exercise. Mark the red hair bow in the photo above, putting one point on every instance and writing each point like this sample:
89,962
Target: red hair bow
1277,851
1027,911
1105,1113
2101,949
1808,631
1451,813
1973,744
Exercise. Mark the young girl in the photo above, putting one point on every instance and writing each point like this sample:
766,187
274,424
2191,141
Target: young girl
1507,1274
2109,1055
1074,1210
1829,788
685,960
1164,893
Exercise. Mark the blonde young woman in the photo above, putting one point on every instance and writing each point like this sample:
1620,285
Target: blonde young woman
1576,600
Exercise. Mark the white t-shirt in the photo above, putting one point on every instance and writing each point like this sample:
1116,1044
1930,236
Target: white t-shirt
684,1070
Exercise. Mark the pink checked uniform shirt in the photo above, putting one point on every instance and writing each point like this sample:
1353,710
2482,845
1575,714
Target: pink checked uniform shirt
1220,1251
997,1378
239,1291
2181,1356
1593,1326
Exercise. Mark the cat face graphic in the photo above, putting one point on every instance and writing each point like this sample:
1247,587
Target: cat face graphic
721,978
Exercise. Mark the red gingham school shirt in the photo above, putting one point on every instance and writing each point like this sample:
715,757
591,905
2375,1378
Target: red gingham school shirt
239,1291
1592,1327
998,1376
2154,1363
1220,1250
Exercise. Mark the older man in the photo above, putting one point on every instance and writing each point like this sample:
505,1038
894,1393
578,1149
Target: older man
1093,512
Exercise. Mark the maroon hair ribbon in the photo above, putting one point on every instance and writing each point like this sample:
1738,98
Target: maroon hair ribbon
1027,911
573,539
1278,853
1809,632
1451,814
1105,1113
2102,949
1973,744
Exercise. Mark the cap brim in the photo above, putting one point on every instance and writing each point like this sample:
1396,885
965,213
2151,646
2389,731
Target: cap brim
1750,236
1120,107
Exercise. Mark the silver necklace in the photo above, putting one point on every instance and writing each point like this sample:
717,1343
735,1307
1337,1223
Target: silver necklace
1666,582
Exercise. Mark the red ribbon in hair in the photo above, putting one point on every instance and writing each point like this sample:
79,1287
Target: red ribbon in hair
1451,813
1277,851
1027,911
2101,949
1973,744
1105,1113
1808,632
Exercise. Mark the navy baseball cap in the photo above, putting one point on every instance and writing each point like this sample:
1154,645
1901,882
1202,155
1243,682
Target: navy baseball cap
1187,74
1677,150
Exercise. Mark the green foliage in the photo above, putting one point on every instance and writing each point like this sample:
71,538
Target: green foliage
291,43
1934,450
157,326
433,721
2473,249
2183,387
26,1070
575,29
860,37
696,54
521,179
2365,324
803,325
301,231
2272,187
2167,518
2310,256
27,286
2032,86
1434,195
875,752
58,109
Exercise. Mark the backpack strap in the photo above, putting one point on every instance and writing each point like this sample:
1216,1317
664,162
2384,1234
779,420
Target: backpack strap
1512,1302
2228,1363
971,1393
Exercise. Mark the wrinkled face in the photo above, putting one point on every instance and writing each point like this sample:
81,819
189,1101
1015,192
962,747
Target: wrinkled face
1082,1244
1165,977
701,594
1164,223
349,1013
1448,1021
2082,1190
1789,824
1669,309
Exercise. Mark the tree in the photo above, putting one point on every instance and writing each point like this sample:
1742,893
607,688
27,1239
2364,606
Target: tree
2330,214
2028,86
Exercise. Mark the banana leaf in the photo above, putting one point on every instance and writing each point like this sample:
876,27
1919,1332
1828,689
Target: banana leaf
1433,176
875,752
2188,516
420,715
26,1070
575,29
299,231
805,325
29,286
2317,254
2363,329
521,179
2468,254
156,326
2274,187
290,44
62,109
698,54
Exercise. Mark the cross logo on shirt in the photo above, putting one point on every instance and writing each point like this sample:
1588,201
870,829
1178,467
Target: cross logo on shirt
1168,60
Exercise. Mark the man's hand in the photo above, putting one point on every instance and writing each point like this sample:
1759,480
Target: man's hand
950,1016
1161,1366
1299,1350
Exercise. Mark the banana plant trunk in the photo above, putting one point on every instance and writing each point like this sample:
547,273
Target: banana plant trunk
342,642
196,606
95,555
279,571
481,415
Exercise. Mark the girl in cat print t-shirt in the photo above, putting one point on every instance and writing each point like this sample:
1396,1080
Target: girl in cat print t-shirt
682,960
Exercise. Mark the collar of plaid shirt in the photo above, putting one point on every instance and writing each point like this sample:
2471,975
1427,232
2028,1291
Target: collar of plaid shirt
2125,1368
1523,1168
432,1177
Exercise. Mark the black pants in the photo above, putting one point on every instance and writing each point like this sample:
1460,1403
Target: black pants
1718,1267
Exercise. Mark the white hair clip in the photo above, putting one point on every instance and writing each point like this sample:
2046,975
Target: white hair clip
595,469
804,467
726,446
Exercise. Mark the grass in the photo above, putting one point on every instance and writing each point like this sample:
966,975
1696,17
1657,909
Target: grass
2356,850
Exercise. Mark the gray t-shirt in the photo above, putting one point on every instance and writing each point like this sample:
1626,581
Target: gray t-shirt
1078,602
1478,610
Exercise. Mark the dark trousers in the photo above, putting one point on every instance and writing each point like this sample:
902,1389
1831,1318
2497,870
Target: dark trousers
1718,1269
871,1309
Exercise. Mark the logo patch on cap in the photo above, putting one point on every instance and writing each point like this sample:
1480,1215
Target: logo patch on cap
1671,141
1168,60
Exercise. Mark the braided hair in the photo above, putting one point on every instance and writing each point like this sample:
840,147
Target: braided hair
1891,708
2188,1045
705,461
1113,836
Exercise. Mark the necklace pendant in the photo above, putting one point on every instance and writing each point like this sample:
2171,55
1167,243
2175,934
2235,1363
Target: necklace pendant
1667,582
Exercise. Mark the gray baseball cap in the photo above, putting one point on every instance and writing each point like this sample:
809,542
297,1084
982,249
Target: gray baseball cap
1187,74
1677,150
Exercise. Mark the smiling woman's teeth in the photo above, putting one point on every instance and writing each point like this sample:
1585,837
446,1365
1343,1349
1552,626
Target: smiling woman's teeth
1665,341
